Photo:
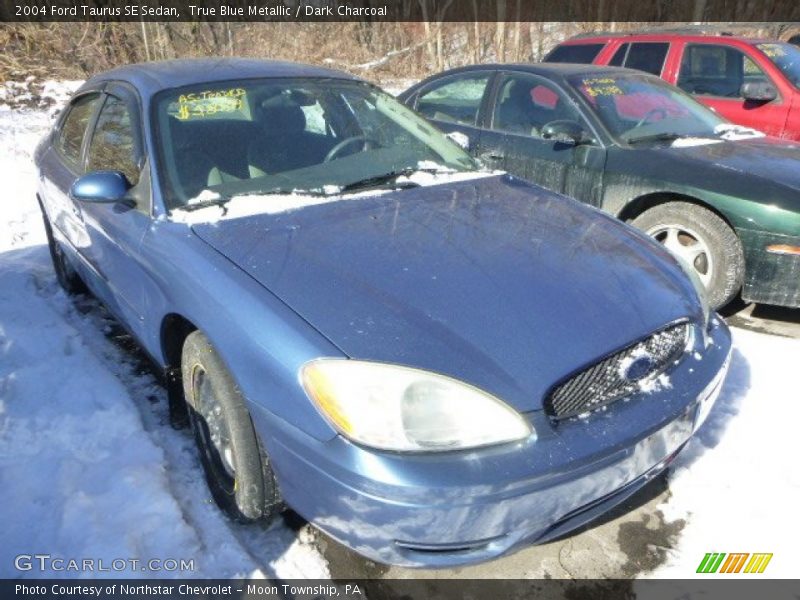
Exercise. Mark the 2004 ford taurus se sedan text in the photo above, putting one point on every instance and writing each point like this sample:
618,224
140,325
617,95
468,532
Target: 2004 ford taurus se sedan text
432,363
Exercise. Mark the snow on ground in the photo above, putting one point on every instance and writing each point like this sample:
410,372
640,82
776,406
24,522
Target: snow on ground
89,467
33,93
737,484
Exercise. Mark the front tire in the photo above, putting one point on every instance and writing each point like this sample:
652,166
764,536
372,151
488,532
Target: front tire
237,470
67,277
704,241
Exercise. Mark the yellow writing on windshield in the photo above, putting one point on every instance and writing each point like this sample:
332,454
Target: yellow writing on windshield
602,86
210,102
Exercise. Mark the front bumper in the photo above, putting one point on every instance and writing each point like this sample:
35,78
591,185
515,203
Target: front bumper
448,509
770,277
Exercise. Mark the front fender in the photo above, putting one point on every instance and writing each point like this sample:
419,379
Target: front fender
260,339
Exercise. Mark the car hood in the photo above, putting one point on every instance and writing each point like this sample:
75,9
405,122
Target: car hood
492,281
768,158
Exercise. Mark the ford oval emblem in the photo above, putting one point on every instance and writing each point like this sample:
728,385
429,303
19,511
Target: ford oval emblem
640,368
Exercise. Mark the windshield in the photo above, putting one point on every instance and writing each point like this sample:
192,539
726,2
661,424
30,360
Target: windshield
786,57
279,136
636,107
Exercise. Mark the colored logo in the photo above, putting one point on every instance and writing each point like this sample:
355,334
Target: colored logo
741,562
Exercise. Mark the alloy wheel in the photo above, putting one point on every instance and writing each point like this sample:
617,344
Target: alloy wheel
689,246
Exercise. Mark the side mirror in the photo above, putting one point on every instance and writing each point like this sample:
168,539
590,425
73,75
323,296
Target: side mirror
758,91
106,187
564,131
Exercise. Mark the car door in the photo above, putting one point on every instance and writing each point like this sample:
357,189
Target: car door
455,103
60,166
116,230
522,104
714,75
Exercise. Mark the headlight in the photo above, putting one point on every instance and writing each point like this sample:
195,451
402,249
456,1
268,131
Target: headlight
399,408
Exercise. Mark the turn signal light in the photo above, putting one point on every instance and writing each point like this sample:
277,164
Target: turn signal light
784,249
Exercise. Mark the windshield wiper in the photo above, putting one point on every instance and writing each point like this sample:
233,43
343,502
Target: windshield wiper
378,181
390,179
222,200
654,137
190,206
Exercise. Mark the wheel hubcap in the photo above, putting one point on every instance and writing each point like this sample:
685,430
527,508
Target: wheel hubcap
687,245
217,433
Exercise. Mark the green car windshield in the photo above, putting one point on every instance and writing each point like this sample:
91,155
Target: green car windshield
281,136
786,57
636,107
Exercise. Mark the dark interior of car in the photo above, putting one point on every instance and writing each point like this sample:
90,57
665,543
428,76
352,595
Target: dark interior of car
212,151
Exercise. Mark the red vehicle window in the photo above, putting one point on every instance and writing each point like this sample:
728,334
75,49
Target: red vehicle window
716,70
575,53
644,56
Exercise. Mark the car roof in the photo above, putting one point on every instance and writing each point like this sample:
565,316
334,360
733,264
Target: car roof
551,70
665,35
152,77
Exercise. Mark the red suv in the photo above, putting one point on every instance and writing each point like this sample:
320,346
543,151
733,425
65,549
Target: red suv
752,82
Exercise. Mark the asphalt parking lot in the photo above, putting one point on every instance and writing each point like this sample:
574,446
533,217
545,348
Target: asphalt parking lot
631,540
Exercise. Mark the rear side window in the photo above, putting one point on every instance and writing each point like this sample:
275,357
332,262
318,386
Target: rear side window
575,53
619,56
112,146
73,129
647,56
457,100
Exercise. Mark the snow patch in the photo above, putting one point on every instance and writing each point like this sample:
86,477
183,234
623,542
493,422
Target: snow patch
732,132
246,205
736,482
688,142
31,93
89,466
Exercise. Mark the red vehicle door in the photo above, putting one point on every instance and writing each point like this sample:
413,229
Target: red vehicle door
714,73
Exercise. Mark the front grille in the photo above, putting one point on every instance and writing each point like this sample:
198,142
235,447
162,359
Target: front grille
618,375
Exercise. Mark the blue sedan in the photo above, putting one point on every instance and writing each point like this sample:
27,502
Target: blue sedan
433,363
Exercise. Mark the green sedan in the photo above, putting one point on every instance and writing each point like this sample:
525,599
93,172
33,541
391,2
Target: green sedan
724,198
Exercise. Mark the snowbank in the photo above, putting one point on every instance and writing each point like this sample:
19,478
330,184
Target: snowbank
89,467
737,484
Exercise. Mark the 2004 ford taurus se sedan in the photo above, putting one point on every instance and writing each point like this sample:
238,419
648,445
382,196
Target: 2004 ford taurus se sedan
432,363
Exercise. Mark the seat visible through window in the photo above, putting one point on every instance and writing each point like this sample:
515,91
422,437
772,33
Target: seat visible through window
283,142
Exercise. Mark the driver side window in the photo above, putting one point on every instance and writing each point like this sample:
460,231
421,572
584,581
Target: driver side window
716,70
112,145
73,128
526,103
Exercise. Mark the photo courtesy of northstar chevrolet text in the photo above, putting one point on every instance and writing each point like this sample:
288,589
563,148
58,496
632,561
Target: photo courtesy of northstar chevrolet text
320,299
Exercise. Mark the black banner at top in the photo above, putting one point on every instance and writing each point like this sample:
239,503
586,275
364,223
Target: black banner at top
721,11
